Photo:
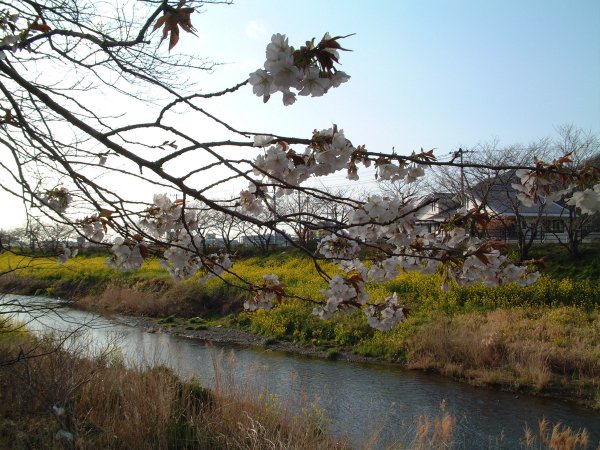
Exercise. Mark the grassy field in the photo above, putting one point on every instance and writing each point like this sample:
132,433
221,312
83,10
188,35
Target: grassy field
544,338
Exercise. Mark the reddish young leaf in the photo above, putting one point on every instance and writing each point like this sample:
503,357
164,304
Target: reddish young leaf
36,26
172,20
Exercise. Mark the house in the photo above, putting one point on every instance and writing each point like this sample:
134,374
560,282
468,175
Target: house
436,209
544,221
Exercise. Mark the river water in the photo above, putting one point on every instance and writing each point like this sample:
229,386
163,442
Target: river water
358,399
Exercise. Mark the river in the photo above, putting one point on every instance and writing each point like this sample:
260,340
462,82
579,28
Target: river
357,398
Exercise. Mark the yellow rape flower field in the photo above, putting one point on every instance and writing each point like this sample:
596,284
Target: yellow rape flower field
544,338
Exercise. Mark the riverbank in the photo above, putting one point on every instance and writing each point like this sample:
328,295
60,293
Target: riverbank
481,376
543,340
366,402
58,397
235,336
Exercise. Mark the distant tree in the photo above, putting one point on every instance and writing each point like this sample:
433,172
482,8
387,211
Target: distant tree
405,191
229,228
13,238
583,149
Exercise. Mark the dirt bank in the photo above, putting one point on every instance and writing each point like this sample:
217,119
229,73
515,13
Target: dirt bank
235,336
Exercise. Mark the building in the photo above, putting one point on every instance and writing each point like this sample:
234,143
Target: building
544,221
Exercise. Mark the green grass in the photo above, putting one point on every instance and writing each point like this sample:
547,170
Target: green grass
559,264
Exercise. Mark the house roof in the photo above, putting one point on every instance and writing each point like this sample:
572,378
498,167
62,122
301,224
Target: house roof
501,198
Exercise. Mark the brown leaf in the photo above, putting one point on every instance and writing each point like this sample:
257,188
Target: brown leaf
159,23
174,37
144,251
41,27
333,42
295,158
184,19
172,20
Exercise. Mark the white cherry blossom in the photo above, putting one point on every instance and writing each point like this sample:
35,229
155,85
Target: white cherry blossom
338,247
385,315
588,200
125,257
286,68
262,83
261,140
314,84
94,231
270,290
66,254
58,199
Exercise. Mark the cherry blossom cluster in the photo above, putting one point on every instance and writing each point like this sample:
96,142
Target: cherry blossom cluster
588,200
390,224
328,152
387,170
308,70
93,229
181,259
338,247
251,199
66,254
282,162
265,295
532,187
385,315
483,263
165,217
379,221
170,221
345,293
216,264
382,210
8,32
58,199
126,255
560,180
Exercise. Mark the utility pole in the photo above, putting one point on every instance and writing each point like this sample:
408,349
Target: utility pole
460,153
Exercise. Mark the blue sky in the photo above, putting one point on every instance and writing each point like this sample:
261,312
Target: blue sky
437,73
432,74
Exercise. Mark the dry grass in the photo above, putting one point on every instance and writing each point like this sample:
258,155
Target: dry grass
539,349
60,400
556,437
434,433
438,432
158,298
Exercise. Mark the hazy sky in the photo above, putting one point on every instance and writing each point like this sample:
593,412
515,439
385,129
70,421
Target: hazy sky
431,74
